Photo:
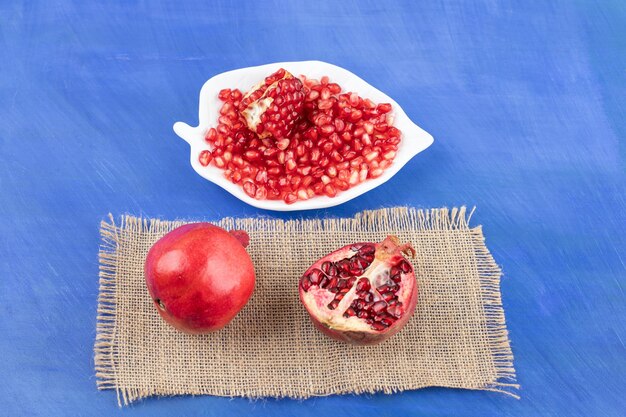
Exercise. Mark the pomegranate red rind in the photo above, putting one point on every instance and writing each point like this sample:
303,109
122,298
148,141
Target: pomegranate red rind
199,276
362,293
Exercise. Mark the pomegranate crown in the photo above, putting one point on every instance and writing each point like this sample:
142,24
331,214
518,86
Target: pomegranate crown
392,246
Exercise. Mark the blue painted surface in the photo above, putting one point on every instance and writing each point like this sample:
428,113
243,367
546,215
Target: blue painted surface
526,101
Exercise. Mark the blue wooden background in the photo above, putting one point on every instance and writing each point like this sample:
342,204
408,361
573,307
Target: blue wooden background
527,104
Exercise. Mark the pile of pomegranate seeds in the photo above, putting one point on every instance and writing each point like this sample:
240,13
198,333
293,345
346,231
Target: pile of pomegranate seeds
294,138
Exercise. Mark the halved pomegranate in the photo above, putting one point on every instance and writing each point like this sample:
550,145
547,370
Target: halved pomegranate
363,293
272,107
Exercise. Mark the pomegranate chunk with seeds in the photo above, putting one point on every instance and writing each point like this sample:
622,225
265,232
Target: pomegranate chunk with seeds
273,107
293,138
363,293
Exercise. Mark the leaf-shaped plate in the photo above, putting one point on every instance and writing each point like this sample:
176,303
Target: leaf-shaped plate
414,138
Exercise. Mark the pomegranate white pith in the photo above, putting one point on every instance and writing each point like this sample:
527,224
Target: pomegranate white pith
362,293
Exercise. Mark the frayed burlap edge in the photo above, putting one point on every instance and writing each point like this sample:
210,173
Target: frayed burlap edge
387,218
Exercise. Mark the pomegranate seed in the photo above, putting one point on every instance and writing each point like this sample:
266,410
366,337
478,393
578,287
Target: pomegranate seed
205,158
405,267
304,170
371,156
290,198
336,156
252,155
343,165
316,276
383,108
305,283
315,154
325,179
300,149
349,155
376,173
341,185
389,155
312,95
356,115
336,140
380,127
387,321
249,188
388,296
223,129
393,132
327,129
339,125
378,306
224,94
354,177
282,144
306,181
225,121
363,285
354,99
290,165
302,194
330,190
211,134
379,326
295,181
334,88
219,162
363,174
384,164
324,80
325,104
238,161
275,171
261,176
327,147
261,193
349,312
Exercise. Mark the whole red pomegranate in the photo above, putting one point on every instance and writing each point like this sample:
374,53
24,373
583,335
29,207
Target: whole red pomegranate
363,293
200,276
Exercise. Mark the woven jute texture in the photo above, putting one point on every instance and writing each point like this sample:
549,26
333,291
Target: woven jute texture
457,337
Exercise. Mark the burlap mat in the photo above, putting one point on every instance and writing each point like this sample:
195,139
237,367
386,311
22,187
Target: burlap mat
457,337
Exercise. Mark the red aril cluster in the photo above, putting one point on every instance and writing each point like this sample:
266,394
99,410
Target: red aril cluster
309,139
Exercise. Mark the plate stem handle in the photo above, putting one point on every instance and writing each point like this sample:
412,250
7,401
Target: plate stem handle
184,131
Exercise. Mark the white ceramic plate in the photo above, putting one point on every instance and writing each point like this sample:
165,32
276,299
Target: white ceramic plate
414,139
